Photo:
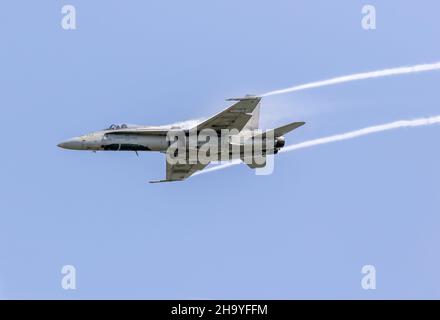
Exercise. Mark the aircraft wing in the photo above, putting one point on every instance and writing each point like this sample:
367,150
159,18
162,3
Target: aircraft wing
234,117
178,172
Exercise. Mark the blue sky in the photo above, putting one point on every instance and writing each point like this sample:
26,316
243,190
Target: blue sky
303,232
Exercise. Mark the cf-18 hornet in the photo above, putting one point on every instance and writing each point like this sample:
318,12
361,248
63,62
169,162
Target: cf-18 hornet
235,128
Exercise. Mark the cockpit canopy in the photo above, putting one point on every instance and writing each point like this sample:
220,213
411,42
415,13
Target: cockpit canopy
121,126
117,126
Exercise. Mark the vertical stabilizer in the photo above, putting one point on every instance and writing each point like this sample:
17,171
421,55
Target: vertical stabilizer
254,122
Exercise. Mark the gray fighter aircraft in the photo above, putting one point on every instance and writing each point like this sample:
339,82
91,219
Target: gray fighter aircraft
242,117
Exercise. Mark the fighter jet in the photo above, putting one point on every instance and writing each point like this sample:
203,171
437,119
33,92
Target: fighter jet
240,122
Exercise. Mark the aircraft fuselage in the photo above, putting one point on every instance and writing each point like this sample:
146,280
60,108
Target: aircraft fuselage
101,141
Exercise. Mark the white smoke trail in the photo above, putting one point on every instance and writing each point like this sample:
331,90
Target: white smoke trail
188,124
344,136
365,131
359,76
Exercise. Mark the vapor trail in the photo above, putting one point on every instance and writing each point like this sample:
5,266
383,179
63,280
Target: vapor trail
365,131
345,136
359,76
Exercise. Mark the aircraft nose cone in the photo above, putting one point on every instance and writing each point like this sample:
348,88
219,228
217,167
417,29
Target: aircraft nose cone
72,144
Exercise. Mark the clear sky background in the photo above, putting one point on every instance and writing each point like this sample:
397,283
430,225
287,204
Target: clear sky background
303,232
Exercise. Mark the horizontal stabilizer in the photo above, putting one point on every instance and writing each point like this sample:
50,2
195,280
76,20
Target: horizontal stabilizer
278,132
